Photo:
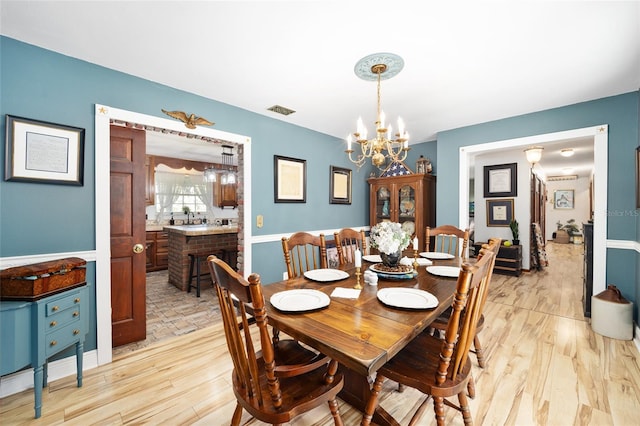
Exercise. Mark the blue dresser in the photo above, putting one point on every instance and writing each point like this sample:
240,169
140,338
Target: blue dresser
32,332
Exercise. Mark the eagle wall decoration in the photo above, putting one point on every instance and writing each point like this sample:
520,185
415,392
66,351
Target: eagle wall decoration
190,120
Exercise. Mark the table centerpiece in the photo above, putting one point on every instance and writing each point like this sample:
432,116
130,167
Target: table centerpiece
389,239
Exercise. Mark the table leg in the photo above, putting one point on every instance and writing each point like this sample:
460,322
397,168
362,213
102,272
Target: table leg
79,355
356,392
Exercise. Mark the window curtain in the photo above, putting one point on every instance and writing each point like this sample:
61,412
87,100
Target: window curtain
168,188
204,191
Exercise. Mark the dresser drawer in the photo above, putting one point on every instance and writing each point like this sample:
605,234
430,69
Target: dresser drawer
61,338
69,302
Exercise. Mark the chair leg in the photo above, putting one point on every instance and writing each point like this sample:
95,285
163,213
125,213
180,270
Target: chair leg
335,412
372,404
438,407
464,408
471,388
190,273
479,351
237,415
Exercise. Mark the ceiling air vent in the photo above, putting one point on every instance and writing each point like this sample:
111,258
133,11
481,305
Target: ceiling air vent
557,178
281,110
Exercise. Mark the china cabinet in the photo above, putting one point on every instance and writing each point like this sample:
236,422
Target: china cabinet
409,200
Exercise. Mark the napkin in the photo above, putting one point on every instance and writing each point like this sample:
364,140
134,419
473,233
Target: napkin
421,261
347,293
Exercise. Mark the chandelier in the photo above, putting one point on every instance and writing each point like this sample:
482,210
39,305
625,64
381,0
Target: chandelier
383,146
227,169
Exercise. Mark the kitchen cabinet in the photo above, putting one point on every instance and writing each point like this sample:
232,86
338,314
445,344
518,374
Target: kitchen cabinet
150,184
225,193
157,250
409,200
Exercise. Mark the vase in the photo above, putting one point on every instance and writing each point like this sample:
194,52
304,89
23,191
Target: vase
391,260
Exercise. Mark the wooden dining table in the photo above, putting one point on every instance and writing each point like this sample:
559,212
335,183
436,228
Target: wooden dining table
361,334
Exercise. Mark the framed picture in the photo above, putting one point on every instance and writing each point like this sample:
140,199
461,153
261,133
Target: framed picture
37,151
340,185
563,199
638,177
499,212
290,180
501,180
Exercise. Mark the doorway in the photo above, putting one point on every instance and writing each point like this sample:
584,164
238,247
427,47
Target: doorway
104,116
599,135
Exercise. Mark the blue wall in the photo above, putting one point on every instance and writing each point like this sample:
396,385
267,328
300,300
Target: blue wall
40,218
622,114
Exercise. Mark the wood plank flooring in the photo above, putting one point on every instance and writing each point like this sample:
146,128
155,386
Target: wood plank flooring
545,366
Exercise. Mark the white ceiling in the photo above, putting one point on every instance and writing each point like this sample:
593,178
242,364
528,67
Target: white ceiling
465,62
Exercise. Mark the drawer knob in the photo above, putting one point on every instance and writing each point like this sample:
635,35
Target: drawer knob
76,313
55,308
53,323
53,343
76,332
77,300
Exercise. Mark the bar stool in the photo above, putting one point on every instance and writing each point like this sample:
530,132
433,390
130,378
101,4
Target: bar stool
196,259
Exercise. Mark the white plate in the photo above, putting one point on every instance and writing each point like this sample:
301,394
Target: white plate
299,300
374,269
326,275
444,271
411,298
373,258
421,261
436,255
409,227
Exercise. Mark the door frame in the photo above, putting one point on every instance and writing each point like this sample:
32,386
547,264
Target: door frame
600,137
103,116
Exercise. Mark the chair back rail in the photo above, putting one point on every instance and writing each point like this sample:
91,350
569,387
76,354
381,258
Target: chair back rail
446,239
304,252
347,241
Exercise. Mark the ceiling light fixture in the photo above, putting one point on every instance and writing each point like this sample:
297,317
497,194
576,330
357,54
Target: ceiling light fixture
567,152
379,66
534,154
227,168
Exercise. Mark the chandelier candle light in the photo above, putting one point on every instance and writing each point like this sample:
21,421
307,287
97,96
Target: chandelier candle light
379,66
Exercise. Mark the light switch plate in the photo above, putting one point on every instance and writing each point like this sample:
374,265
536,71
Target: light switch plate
259,221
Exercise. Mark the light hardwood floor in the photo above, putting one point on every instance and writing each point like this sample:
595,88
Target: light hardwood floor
545,366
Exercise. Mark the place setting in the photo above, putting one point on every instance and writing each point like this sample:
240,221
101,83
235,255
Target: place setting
299,300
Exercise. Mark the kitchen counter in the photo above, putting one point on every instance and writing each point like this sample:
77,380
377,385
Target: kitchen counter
196,230
201,239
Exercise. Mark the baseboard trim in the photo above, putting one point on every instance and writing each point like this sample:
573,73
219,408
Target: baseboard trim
23,380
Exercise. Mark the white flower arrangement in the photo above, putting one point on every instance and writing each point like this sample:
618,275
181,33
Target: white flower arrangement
389,237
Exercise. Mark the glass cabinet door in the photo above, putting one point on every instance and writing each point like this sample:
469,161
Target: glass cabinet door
383,207
407,208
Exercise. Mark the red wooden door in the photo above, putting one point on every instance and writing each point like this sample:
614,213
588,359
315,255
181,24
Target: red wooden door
128,260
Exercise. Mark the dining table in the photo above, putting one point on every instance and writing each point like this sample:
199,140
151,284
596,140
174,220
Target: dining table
360,331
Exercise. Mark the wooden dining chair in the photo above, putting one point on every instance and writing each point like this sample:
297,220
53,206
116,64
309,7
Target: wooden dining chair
273,383
440,324
441,368
304,252
347,241
446,239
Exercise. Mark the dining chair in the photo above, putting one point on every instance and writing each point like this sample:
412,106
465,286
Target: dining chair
274,383
304,252
446,239
441,368
347,241
440,324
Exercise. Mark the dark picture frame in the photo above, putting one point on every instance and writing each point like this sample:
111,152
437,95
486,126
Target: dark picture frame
339,185
42,152
501,180
499,212
289,180
638,177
